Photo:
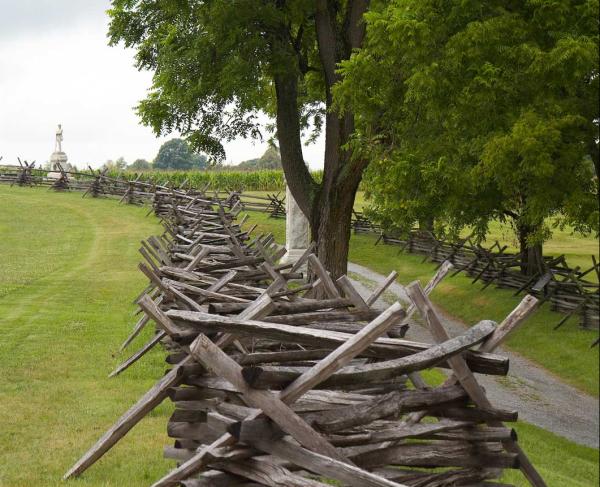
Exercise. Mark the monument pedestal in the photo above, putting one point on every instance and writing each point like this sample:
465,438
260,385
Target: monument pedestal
57,159
297,230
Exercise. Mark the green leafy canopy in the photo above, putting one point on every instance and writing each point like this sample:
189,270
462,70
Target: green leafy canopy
176,154
474,110
213,63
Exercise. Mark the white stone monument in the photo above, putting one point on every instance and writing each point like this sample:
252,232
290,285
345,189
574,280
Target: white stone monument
297,229
58,156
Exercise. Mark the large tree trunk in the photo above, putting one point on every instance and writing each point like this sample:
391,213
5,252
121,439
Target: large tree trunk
532,257
426,224
328,206
297,175
334,228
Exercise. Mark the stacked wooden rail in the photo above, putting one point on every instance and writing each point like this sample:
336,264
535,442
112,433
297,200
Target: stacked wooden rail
569,290
272,203
277,381
362,224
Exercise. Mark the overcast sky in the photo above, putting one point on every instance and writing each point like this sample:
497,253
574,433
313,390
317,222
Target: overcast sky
56,67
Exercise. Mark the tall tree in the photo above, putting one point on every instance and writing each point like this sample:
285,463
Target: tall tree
177,154
117,165
217,63
480,110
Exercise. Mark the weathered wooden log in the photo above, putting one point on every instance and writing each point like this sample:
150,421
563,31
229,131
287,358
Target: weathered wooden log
382,347
439,455
275,377
139,354
256,433
283,308
392,404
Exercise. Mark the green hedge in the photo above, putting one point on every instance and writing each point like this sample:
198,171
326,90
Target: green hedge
222,180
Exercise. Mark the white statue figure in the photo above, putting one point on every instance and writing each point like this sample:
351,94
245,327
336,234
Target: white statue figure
59,139
58,158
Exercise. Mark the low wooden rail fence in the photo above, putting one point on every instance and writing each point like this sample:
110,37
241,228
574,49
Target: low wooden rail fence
569,290
96,183
281,382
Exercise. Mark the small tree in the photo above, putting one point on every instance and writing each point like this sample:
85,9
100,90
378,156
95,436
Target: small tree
121,163
140,165
176,154
271,159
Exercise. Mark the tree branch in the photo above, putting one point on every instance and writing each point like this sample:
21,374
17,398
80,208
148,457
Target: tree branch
326,39
511,214
355,27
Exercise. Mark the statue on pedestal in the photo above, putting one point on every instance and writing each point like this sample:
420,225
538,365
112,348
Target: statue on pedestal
58,158
59,139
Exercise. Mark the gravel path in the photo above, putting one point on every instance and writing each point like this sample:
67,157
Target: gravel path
540,397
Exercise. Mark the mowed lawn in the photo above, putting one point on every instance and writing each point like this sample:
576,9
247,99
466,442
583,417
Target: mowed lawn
67,278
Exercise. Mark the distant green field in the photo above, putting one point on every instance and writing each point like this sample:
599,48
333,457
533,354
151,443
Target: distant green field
578,249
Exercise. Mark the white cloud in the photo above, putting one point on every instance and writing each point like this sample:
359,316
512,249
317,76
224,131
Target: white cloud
56,67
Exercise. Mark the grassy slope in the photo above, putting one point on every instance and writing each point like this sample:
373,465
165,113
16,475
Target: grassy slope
68,273
561,462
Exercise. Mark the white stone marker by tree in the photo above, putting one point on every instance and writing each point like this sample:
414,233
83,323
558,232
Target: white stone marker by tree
297,230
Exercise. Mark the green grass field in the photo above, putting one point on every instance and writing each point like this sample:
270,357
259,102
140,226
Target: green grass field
68,275
577,249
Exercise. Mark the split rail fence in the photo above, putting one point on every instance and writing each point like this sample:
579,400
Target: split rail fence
568,290
281,382
96,183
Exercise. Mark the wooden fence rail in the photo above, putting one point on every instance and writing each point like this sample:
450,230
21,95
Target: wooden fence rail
567,289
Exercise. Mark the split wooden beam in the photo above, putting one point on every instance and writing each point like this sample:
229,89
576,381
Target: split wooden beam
339,357
465,377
